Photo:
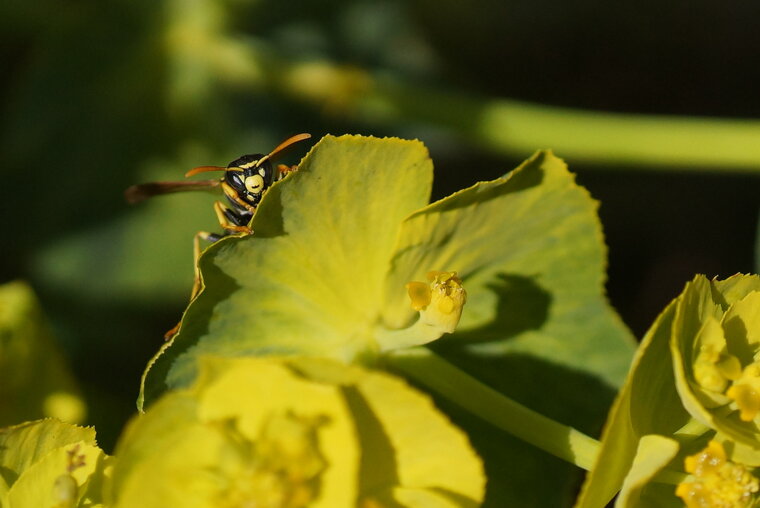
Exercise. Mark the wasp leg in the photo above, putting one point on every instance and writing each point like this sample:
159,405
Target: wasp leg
200,235
225,222
284,169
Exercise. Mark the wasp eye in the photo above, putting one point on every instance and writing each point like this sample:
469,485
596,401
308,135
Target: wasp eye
234,178
254,184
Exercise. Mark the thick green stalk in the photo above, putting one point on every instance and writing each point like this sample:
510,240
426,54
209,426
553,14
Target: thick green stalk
595,137
518,128
431,370
511,127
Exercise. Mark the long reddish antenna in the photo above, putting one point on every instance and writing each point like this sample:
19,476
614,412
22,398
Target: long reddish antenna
282,146
204,169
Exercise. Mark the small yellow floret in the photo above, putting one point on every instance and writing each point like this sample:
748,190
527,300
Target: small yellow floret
746,392
713,368
439,302
717,482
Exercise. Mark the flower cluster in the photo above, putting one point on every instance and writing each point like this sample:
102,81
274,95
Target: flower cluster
716,481
696,380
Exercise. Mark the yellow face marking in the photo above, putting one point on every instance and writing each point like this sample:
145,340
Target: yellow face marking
254,184
249,164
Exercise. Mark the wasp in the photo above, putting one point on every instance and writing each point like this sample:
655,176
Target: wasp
244,182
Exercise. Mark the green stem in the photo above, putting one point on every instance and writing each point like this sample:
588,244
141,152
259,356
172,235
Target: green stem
431,370
421,332
517,128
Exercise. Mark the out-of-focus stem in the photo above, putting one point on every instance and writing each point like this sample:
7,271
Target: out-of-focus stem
519,128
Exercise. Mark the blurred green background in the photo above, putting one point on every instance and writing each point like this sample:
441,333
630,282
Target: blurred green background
652,105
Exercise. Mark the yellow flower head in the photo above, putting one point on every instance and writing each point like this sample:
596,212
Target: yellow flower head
439,302
745,392
715,344
717,482
714,368
288,433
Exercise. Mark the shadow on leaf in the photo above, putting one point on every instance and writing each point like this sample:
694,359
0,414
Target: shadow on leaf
522,305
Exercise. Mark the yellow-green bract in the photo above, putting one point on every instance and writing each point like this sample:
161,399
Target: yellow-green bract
335,243
289,433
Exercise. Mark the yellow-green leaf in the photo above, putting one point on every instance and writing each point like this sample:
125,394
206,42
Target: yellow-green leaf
647,404
50,464
24,444
530,253
652,455
311,277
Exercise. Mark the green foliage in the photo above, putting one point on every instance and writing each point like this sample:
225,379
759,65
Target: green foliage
652,455
117,93
253,400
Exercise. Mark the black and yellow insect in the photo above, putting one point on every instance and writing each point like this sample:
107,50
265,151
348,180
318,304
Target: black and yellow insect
244,182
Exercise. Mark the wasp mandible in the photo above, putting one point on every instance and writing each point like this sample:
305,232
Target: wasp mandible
244,182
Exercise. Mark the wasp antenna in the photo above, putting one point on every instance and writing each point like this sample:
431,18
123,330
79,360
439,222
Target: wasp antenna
136,193
282,146
204,169
143,191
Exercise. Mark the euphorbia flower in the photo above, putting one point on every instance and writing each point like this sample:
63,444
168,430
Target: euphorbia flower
290,433
717,481
336,245
693,379
716,353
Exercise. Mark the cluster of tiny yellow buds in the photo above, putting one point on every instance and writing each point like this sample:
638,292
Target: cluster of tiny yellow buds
714,368
283,466
440,301
717,482
745,392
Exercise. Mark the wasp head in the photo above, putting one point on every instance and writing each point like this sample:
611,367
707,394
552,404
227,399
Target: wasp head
249,176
